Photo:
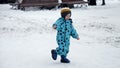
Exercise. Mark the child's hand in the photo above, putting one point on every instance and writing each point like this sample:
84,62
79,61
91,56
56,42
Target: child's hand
54,27
78,38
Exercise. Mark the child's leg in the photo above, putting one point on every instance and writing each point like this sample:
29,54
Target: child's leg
62,50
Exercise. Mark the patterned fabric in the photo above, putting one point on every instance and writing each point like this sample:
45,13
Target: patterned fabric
64,29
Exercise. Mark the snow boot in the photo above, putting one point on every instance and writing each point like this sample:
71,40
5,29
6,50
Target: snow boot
64,59
54,54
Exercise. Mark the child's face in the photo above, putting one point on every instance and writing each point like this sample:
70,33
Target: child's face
67,17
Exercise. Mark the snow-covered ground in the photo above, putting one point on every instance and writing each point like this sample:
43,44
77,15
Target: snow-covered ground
26,37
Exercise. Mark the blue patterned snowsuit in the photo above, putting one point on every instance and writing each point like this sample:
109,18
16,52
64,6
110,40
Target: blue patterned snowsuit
64,29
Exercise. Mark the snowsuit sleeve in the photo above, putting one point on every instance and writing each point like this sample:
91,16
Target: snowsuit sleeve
57,24
74,33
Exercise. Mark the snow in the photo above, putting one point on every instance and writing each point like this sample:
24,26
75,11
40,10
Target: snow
26,37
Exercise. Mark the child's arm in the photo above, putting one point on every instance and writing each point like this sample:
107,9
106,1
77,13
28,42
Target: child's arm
56,25
74,33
